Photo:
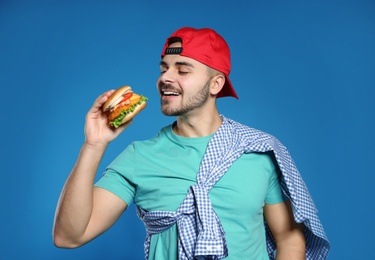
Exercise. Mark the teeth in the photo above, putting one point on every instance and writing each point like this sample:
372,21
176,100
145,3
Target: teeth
170,93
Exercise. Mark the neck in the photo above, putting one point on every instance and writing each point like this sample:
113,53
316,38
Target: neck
202,124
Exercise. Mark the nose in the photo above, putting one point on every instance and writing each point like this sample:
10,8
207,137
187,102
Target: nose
167,76
164,79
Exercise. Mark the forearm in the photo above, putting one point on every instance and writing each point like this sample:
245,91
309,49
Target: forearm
76,200
292,247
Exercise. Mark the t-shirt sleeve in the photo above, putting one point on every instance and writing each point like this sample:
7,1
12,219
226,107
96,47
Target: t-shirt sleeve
117,178
117,184
274,194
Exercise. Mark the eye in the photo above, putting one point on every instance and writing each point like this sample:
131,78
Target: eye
182,72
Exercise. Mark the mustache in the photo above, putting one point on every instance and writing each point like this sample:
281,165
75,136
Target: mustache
163,86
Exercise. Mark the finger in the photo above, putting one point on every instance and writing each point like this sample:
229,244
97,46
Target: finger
98,103
108,93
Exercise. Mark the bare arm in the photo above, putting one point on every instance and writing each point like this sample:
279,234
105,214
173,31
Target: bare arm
84,212
289,236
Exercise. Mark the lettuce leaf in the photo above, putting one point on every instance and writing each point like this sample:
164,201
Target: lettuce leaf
118,120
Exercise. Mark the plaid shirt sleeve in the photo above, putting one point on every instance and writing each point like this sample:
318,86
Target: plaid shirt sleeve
201,234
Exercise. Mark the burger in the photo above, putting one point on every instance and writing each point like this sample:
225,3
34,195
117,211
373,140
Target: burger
123,105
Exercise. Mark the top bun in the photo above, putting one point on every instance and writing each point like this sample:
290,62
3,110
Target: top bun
115,98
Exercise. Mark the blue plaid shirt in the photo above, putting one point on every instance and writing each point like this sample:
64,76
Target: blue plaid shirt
201,235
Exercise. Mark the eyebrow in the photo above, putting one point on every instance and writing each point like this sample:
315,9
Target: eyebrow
178,63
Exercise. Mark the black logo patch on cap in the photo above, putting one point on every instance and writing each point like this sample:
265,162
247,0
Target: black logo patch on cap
173,50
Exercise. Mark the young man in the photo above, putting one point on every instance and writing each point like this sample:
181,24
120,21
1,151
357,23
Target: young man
205,186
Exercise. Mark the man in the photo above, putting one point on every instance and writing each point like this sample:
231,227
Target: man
205,186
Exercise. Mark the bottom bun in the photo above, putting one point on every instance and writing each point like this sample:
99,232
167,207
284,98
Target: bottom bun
130,116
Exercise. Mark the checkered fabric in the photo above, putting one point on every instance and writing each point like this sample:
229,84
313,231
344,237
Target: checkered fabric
200,233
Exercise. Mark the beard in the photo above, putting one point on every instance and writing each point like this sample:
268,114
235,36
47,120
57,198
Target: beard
192,103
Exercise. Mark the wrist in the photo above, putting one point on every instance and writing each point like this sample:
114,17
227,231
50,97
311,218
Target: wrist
94,147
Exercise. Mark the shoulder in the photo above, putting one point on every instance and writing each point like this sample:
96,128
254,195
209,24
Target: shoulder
247,131
140,148
163,133
255,139
154,144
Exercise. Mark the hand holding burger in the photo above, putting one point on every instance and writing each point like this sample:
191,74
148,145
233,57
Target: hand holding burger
123,105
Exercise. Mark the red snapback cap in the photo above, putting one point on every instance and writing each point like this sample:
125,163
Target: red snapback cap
206,46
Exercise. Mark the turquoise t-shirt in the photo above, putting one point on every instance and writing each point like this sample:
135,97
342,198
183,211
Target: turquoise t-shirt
156,175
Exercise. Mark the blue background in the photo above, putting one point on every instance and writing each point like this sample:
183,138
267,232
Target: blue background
304,72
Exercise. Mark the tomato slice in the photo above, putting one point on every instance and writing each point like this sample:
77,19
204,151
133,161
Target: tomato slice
127,96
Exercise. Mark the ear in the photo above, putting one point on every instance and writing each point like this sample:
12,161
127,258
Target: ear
217,83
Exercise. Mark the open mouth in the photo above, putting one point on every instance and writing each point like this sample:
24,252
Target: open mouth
169,93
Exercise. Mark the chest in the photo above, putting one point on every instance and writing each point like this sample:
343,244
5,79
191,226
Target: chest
163,181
